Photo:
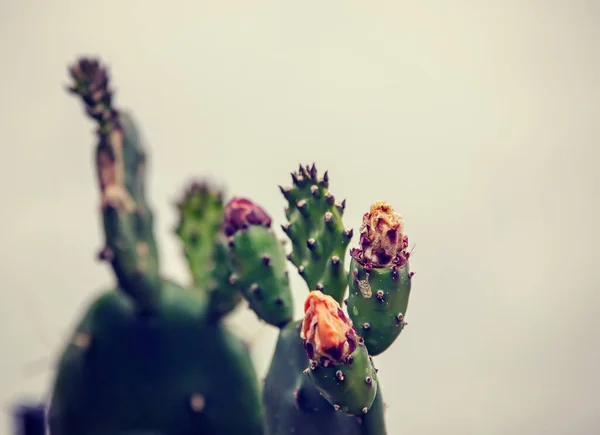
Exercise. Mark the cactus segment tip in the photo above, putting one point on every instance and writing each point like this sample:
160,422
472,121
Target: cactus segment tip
382,239
199,189
240,213
327,332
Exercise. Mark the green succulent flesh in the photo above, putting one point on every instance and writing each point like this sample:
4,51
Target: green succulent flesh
258,263
349,386
377,304
172,373
293,405
199,230
315,228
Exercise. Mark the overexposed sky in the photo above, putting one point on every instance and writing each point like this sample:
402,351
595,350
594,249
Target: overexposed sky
477,120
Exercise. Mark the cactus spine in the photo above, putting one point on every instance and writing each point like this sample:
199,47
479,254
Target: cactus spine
152,356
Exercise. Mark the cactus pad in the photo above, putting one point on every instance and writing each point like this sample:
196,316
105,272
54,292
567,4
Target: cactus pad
380,280
315,228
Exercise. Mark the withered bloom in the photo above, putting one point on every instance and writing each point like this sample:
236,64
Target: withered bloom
327,332
382,239
240,213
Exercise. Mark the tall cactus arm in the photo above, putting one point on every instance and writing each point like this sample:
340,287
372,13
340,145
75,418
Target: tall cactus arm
120,166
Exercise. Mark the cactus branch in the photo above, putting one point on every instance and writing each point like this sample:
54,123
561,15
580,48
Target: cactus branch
120,166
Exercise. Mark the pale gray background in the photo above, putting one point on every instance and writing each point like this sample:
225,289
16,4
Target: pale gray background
476,119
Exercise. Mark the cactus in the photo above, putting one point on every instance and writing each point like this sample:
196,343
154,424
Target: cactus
152,356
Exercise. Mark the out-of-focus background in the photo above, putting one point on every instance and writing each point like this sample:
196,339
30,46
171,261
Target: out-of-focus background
478,121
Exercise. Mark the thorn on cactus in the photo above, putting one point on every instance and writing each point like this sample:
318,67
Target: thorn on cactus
106,254
314,191
330,198
313,171
266,260
285,191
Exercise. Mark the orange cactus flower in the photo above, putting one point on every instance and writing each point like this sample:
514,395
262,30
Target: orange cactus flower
327,332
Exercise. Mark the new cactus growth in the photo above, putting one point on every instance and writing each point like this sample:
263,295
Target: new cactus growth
340,366
201,212
155,357
258,262
379,278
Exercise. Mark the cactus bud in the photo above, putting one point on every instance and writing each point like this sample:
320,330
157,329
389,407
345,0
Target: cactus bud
382,240
240,213
326,331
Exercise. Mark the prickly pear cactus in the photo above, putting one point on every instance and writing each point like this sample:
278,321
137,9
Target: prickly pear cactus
150,355
154,357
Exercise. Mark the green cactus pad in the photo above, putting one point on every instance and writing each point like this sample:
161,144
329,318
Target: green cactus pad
315,228
199,230
349,386
259,270
172,373
377,303
294,405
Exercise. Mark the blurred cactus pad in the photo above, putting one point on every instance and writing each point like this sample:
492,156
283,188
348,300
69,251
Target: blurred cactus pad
152,356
